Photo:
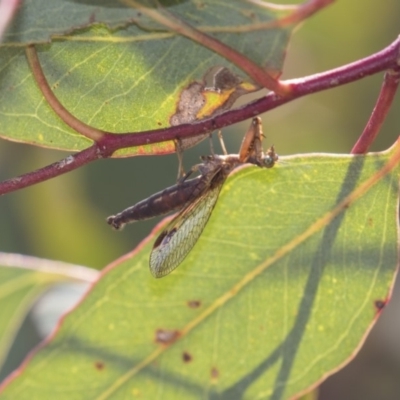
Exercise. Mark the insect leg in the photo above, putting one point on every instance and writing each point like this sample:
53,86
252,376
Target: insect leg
179,153
183,178
211,144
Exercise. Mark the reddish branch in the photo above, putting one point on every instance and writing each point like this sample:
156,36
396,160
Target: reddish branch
378,116
385,60
50,171
77,125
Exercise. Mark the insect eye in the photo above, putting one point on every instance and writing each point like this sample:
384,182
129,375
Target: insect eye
269,160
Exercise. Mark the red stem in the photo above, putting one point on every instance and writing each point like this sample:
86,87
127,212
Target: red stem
59,109
50,171
378,116
386,59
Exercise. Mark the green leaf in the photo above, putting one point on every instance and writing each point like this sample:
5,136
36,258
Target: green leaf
278,292
131,78
23,279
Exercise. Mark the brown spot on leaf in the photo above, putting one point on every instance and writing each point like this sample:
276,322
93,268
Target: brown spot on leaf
380,304
217,91
186,357
166,337
190,103
194,303
219,78
99,365
214,373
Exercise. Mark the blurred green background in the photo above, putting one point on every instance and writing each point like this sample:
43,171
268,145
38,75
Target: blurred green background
64,218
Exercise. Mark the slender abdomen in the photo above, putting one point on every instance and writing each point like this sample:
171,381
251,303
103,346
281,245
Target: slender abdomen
168,200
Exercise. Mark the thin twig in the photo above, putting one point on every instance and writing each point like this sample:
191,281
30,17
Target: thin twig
381,109
59,109
50,171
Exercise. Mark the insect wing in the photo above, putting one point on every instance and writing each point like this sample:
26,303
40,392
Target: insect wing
181,234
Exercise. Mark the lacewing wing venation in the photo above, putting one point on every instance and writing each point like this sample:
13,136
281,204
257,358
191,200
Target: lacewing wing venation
195,198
